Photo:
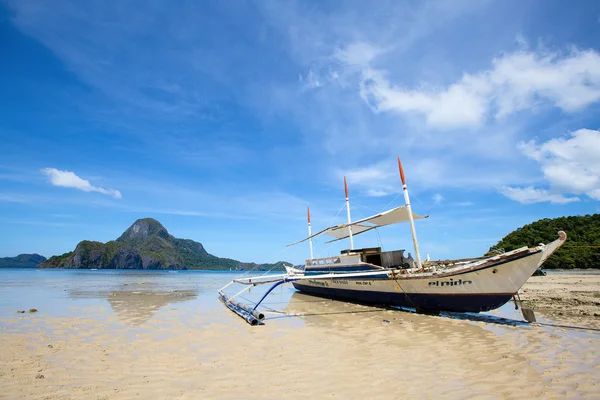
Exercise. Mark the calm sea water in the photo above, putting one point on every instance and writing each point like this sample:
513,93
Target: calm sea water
134,296
137,296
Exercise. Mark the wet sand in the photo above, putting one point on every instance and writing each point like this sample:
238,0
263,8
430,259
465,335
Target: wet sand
573,296
153,344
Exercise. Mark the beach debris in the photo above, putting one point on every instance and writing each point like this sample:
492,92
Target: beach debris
39,376
21,311
32,310
385,321
50,346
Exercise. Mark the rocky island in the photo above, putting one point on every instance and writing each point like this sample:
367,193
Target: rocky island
22,261
147,245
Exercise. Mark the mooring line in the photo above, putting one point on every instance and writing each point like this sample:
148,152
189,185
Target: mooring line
566,326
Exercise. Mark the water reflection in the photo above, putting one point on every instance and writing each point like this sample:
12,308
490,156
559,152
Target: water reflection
324,310
328,310
448,333
135,308
136,305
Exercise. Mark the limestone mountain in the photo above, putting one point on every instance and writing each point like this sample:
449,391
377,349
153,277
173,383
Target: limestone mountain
22,261
145,245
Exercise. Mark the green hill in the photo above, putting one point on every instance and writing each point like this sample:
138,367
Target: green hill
22,261
581,231
147,245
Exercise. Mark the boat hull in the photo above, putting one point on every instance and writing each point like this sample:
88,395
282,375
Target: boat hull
424,301
460,289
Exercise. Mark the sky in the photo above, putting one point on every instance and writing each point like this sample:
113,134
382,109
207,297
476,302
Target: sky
226,120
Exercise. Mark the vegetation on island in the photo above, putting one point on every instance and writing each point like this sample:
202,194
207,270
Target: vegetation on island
579,251
147,245
22,261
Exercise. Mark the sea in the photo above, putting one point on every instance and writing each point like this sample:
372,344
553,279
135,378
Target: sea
134,296
81,326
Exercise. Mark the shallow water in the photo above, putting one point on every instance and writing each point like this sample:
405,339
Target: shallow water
136,296
149,322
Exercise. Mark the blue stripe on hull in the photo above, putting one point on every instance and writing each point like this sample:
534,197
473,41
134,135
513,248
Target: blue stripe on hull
324,269
458,303
383,275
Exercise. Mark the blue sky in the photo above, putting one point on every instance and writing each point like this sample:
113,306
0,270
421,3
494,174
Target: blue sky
224,121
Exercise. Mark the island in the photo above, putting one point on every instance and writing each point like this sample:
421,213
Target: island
148,245
22,261
581,251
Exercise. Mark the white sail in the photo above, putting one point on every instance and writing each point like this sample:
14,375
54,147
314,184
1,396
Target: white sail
341,231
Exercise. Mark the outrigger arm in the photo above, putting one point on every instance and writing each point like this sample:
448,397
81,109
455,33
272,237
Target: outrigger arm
252,316
248,313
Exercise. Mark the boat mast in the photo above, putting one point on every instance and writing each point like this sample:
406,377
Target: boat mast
310,234
348,212
410,215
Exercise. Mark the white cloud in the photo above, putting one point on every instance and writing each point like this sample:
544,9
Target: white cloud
70,180
458,105
569,165
465,204
516,81
437,198
310,81
377,193
530,195
371,174
358,53
376,180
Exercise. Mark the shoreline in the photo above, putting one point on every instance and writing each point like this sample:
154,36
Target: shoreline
167,336
567,296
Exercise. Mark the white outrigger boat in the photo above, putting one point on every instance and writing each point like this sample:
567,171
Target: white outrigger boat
388,278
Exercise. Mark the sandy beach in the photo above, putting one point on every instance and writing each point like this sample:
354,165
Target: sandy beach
573,296
151,340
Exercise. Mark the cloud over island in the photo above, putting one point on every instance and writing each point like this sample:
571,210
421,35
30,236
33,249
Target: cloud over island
70,180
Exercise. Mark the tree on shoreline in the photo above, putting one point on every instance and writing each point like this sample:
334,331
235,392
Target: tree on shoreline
583,234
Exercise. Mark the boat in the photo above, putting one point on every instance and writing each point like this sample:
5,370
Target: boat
389,278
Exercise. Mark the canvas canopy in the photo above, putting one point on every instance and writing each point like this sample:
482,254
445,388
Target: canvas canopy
393,216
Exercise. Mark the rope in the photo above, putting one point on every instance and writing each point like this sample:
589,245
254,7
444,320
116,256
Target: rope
388,204
566,326
263,306
328,246
247,272
429,209
403,291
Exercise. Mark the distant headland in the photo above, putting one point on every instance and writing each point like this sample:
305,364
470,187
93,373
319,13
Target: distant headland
147,245
581,251
22,261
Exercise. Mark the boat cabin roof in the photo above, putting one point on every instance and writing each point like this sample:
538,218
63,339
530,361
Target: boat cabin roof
364,250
